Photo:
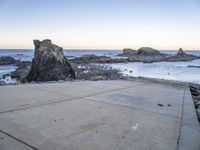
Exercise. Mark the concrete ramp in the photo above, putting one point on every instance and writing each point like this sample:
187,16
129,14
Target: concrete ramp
100,115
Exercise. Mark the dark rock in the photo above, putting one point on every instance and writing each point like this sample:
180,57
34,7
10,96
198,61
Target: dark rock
161,105
181,52
147,51
22,71
5,75
7,60
128,52
195,91
191,66
182,56
95,72
49,63
144,54
96,59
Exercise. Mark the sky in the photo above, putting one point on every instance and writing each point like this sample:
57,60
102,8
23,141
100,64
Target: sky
101,24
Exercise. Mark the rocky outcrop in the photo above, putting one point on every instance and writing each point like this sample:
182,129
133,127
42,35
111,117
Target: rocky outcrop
22,71
89,58
49,63
181,52
182,56
148,51
7,60
128,52
143,51
149,55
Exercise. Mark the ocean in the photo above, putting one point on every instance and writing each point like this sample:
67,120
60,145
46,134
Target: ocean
177,71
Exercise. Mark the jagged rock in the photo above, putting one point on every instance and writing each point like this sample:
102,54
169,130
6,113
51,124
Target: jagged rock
7,60
181,52
182,56
49,63
22,71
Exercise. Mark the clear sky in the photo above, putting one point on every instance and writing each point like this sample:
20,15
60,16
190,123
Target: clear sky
112,24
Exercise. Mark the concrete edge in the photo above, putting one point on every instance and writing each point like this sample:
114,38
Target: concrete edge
189,128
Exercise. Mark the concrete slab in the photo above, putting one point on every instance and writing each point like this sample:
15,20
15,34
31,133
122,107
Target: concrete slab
146,97
83,124
23,96
101,115
8,143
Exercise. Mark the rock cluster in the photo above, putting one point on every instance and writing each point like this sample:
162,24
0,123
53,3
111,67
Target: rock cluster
49,63
148,55
182,56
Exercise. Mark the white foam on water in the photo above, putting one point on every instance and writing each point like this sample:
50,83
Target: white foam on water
7,69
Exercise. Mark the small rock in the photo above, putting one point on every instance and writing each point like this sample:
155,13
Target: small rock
161,105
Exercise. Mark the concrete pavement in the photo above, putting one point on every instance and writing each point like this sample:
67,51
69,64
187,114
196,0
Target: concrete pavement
100,115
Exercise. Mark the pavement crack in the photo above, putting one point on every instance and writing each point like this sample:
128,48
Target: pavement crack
34,148
64,100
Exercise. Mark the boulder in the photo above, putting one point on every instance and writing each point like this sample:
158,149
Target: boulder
22,71
7,60
49,63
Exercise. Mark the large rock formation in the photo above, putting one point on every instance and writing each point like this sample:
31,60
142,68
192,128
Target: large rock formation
49,63
182,56
143,51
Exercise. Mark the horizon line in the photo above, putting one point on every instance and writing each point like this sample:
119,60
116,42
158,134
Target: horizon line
96,49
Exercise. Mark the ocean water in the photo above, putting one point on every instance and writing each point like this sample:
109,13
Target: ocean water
178,71
27,55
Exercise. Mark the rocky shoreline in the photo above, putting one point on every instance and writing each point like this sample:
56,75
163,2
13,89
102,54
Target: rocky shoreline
50,64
